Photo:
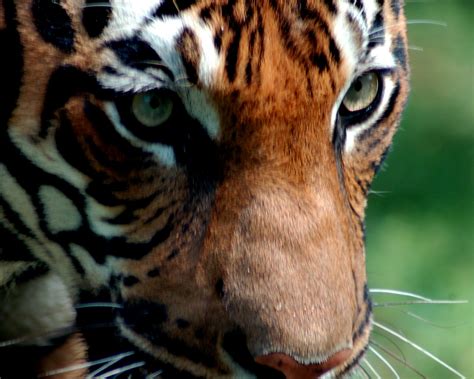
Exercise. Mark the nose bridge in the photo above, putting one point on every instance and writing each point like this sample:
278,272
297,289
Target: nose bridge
286,261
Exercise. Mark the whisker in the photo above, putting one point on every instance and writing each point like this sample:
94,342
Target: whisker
98,305
415,48
399,45
363,371
111,361
419,348
399,359
152,63
371,368
429,322
379,193
82,366
31,337
400,293
426,22
96,5
381,357
154,375
121,370
390,340
433,302
408,22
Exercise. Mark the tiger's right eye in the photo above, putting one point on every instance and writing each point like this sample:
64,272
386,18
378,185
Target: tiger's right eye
152,109
362,98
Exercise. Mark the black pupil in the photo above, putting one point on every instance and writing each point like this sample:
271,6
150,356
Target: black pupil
155,101
358,85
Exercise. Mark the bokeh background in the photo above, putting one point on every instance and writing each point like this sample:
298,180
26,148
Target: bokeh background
420,225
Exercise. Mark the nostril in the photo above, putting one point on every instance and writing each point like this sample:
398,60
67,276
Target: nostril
295,370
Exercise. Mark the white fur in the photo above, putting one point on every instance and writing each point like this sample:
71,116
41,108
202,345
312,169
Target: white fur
60,212
162,36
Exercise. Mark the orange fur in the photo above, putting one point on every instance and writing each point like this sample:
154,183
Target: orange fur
275,248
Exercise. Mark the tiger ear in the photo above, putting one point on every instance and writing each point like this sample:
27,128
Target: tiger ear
71,355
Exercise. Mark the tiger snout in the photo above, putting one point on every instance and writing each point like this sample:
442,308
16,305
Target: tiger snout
274,248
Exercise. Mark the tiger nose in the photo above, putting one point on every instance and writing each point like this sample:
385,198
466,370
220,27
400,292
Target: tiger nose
294,370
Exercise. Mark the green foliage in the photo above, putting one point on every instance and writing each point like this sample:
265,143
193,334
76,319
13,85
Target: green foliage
420,226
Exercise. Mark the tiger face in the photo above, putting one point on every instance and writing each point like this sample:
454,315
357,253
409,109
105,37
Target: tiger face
203,166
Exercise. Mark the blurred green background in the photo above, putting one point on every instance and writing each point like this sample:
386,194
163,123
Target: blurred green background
420,223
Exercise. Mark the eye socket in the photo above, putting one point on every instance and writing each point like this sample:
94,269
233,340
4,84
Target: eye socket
152,109
361,98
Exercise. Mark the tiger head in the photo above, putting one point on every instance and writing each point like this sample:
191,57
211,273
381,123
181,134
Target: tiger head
204,166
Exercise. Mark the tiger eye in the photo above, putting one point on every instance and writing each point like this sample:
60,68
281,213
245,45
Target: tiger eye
362,92
152,108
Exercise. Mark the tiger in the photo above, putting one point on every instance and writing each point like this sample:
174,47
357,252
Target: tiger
185,181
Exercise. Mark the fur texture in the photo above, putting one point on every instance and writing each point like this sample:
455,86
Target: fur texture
233,230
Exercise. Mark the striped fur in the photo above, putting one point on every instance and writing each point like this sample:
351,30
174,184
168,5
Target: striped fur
235,229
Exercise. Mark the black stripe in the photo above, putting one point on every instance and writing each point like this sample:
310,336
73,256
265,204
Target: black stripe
58,94
136,53
54,24
173,7
9,214
30,273
232,55
360,6
400,53
96,16
330,6
130,156
334,50
12,248
69,148
377,31
377,164
189,65
251,48
396,7
11,64
367,315
387,112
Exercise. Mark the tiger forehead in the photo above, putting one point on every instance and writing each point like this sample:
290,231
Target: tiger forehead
233,38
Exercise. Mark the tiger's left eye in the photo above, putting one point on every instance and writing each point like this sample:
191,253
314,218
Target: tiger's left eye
153,108
361,98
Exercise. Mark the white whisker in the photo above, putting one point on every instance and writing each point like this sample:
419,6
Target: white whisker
415,48
32,337
381,357
121,370
419,348
97,5
408,22
82,366
98,305
371,368
111,361
433,302
154,375
362,370
429,322
403,360
400,293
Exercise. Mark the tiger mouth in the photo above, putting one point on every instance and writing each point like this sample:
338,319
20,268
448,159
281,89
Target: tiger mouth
236,356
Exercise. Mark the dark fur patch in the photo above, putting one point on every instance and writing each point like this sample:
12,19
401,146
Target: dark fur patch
54,24
11,64
173,7
400,53
95,16
190,54
130,281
